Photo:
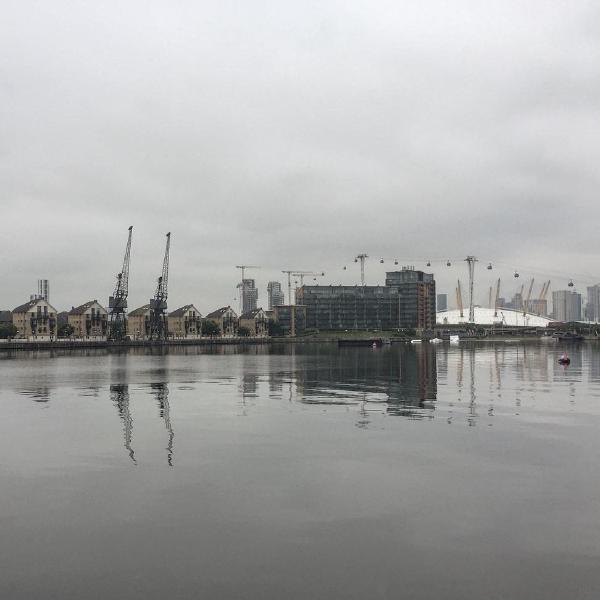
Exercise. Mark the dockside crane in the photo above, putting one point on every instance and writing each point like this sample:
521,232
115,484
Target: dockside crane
117,303
158,304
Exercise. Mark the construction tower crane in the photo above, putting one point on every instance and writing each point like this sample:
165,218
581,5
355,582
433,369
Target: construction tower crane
158,304
289,278
117,303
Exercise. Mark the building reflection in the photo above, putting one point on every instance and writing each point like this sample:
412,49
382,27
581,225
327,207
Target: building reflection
401,377
40,393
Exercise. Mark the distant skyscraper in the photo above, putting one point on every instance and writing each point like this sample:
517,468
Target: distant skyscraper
276,297
566,305
442,302
592,310
43,292
249,295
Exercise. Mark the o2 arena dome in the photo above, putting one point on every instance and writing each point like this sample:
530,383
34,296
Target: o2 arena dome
485,316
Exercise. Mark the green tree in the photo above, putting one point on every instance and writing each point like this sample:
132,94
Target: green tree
275,329
210,328
243,332
65,330
7,331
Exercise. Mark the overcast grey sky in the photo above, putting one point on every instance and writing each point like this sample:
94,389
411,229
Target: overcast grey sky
294,135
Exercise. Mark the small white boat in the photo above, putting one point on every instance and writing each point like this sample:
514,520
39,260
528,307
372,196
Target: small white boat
415,341
454,339
436,340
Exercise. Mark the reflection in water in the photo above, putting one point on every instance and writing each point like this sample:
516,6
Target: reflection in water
161,390
119,394
37,394
404,379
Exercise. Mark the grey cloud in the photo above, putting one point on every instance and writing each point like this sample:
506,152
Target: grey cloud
293,135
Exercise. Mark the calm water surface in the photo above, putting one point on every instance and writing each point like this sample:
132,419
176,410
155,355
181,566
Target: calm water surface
306,473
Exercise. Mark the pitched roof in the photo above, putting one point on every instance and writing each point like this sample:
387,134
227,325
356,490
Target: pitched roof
138,312
79,310
252,314
181,311
25,307
217,314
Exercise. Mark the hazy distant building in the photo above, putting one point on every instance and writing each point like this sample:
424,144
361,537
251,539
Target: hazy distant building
442,302
537,306
43,291
566,305
275,294
249,294
592,309
516,303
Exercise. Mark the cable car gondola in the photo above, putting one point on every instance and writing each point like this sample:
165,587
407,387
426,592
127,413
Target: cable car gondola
381,261
516,274
428,263
448,264
570,284
489,267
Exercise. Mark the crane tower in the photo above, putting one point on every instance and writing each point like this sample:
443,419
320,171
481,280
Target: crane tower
117,303
158,304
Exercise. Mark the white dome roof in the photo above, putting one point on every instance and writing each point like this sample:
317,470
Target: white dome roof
485,316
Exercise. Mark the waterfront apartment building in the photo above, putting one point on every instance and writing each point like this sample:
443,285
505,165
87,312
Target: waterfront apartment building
35,319
138,322
407,300
292,319
256,322
185,322
566,305
442,302
227,320
275,294
249,295
88,320
416,303
592,309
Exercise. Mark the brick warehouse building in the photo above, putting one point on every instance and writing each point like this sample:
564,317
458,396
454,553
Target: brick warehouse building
406,301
